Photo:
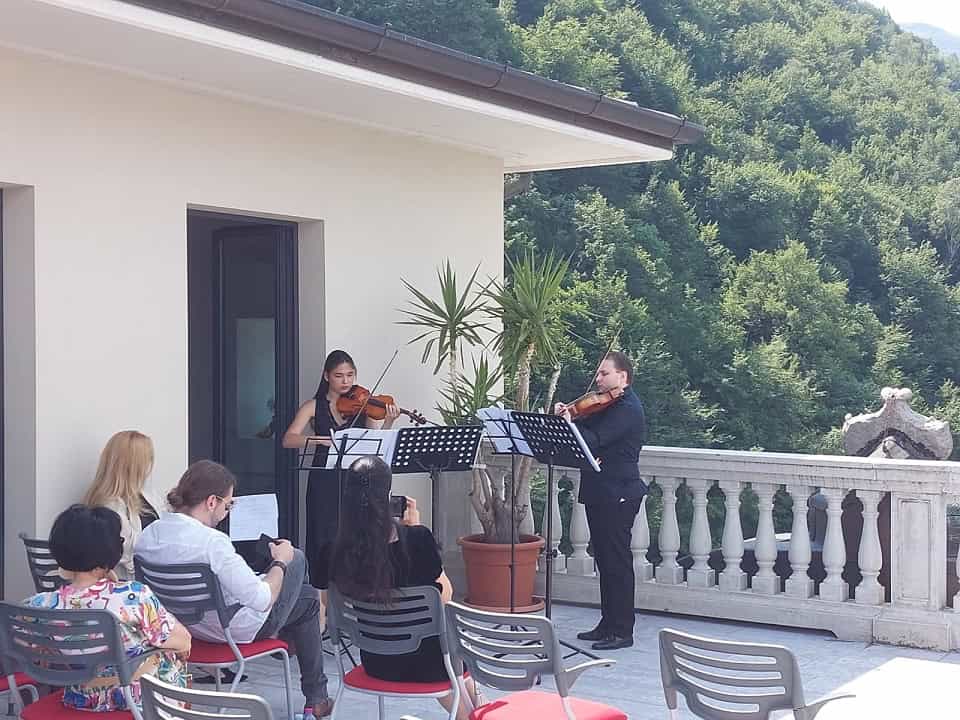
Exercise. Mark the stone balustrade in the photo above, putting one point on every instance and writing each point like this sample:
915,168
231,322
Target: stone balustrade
712,579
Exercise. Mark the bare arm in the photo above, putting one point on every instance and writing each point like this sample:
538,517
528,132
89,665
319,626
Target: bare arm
296,436
179,640
446,588
281,550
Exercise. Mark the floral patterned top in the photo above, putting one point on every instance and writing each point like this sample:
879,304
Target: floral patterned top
144,625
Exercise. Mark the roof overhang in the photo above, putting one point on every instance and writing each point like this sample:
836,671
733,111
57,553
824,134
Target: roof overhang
289,55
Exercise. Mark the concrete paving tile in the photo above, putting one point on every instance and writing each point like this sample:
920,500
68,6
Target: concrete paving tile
890,682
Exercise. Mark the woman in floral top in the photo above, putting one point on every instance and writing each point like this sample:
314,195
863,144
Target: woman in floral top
87,543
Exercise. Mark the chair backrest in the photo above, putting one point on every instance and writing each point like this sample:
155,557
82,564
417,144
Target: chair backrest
64,647
166,702
723,680
399,627
188,590
43,568
505,651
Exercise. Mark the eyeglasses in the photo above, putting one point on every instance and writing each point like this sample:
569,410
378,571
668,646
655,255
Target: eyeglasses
228,506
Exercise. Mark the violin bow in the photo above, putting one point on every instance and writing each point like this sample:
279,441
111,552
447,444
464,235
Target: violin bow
593,378
373,390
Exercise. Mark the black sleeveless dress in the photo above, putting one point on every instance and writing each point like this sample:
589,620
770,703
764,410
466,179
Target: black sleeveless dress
323,497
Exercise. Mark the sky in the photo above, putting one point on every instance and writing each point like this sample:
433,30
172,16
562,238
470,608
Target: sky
942,13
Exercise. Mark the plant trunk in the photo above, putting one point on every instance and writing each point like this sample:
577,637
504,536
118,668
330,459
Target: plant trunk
525,466
454,372
523,378
524,470
552,388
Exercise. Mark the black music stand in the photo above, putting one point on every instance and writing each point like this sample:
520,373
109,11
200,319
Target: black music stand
435,450
553,441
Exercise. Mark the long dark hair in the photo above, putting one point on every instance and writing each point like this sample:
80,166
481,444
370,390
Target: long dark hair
361,566
336,357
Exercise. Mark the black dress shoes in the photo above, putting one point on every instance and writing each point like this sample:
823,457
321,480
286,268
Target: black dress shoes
597,633
613,642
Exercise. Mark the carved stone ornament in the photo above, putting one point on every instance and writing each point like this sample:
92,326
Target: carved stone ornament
896,431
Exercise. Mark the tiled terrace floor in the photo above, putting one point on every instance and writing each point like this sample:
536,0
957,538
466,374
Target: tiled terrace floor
889,682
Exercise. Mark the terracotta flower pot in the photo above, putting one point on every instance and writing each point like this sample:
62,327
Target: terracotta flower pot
488,573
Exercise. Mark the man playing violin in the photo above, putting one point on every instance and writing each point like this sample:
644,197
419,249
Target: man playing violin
612,496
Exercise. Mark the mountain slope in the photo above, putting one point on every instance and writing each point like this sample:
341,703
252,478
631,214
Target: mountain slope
946,41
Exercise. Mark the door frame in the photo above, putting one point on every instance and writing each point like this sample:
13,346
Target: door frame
3,449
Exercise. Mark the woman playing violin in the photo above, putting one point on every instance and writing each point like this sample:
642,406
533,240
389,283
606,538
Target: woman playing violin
613,424
321,415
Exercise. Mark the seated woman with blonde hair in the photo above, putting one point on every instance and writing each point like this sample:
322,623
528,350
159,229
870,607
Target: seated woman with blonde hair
125,464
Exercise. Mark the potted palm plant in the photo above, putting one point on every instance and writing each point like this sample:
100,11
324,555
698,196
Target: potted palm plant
519,319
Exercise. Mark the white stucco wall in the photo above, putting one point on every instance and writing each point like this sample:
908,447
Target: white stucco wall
96,328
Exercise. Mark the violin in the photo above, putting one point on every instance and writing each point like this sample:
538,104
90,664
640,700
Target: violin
593,403
359,399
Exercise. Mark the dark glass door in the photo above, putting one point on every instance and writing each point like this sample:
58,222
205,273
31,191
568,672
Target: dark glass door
244,354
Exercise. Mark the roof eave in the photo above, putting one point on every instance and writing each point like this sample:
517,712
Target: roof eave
346,40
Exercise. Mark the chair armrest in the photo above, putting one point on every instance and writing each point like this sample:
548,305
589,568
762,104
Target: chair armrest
577,670
809,712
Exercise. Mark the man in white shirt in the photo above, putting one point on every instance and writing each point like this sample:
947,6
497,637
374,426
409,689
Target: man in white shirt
282,602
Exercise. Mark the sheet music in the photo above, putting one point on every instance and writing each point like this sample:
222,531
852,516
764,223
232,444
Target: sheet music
252,515
502,431
584,447
362,442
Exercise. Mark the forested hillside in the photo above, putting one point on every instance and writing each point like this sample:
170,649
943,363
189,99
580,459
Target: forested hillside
771,278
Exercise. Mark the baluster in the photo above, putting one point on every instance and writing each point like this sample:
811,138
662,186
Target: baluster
956,598
579,562
733,577
834,553
640,543
669,572
870,557
553,542
800,584
700,575
766,581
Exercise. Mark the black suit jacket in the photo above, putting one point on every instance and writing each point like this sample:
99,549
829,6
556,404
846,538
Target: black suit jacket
615,436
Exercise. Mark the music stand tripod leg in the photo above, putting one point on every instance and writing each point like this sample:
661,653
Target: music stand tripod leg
549,552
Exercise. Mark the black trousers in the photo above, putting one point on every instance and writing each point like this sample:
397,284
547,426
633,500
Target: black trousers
610,525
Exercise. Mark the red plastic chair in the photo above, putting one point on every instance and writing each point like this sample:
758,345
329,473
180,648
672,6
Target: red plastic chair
414,613
13,683
66,647
190,591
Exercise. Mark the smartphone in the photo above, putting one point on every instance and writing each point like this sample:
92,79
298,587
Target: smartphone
263,547
398,505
